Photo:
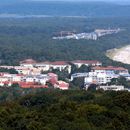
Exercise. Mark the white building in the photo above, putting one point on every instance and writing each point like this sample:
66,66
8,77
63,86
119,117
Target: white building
60,65
110,69
100,78
44,66
16,77
103,75
78,75
42,79
112,87
79,63
27,63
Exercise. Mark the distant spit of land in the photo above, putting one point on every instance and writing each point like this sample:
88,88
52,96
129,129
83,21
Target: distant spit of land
120,55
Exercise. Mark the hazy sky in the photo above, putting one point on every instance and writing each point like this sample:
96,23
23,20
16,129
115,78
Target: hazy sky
120,1
115,1
83,0
70,0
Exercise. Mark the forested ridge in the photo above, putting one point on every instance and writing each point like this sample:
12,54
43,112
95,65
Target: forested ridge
67,110
32,38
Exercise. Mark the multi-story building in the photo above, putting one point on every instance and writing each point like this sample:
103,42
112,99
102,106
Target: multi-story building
60,65
110,69
103,75
100,78
27,63
112,87
40,79
46,66
93,63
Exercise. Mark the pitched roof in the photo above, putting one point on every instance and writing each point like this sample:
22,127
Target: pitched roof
52,75
54,63
109,68
86,61
60,63
28,61
62,84
34,86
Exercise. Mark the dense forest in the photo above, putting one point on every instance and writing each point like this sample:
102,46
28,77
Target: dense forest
67,110
32,38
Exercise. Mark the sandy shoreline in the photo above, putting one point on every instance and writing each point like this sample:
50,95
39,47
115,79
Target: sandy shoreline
120,55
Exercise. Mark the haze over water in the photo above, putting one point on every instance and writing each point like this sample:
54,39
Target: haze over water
28,8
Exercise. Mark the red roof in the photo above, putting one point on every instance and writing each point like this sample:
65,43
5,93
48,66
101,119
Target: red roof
54,63
28,61
6,82
34,86
52,75
86,61
46,62
60,63
26,83
109,68
20,75
62,84
2,74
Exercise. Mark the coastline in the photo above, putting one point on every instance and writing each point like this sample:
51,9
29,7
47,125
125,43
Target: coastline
120,55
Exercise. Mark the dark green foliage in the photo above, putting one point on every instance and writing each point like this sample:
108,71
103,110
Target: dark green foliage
79,82
92,87
120,81
82,69
32,38
10,71
63,110
15,85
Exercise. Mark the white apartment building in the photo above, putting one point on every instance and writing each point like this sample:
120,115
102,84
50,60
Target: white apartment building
46,66
27,63
110,69
93,63
60,65
100,78
112,87
42,79
103,75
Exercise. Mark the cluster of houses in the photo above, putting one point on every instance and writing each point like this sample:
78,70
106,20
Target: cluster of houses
102,76
32,81
30,76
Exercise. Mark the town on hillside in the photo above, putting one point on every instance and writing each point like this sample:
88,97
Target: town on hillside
33,74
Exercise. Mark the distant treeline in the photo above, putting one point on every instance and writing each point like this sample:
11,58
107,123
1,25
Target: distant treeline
64,8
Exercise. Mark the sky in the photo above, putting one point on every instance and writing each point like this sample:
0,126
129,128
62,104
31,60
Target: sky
85,0
117,1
